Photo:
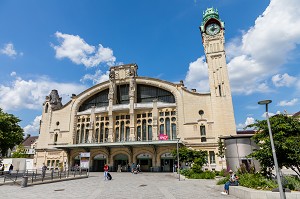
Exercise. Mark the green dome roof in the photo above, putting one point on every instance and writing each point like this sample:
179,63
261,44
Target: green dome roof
210,13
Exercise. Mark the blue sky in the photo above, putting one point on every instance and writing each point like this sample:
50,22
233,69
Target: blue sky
69,46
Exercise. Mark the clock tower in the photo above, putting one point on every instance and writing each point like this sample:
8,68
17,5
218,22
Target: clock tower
212,30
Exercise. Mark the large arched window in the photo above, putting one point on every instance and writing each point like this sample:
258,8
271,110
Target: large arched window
146,93
98,100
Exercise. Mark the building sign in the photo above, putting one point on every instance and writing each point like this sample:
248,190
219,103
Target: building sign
163,137
84,160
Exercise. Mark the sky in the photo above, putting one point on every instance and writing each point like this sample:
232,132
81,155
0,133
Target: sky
70,45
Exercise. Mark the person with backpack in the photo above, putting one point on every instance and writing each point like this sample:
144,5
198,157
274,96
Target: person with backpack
106,168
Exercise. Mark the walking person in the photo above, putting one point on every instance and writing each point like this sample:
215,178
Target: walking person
106,168
11,168
44,168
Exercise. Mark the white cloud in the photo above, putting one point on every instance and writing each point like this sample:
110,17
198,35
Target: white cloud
13,74
79,52
249,120
9,50
288,103
197,75
262,50
283,80
270,114
33,128
30,94
96,78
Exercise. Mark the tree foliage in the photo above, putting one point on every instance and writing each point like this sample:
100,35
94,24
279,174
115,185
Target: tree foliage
20,152
11,133
286,136
197,157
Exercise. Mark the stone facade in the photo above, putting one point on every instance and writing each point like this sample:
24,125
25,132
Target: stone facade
132,119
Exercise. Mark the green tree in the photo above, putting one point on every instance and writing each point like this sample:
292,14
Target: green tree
20,152
286,136
198,157
11,133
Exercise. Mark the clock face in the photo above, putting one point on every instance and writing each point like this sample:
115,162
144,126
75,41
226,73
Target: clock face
212,29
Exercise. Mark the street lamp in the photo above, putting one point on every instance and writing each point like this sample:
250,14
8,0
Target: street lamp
266,102
178,168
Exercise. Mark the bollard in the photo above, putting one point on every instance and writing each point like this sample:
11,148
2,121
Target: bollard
24,181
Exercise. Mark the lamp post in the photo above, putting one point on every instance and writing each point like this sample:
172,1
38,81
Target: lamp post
266,102
178,168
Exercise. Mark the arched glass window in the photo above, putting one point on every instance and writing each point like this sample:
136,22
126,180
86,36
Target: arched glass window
77,137
82,134
144,130
99,100
168,128
161,129
146,93
86,136
122,131
139,133
122,94
97,136
174,136
149,132
127,133
117,135
106,134
101,131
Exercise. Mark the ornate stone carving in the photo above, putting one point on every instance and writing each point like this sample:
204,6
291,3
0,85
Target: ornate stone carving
55,100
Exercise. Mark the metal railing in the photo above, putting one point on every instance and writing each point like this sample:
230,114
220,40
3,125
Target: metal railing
35,175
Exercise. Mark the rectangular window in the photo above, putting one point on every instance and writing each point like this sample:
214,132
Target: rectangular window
149,114
203,133
212,158
202,130
173,112
161,113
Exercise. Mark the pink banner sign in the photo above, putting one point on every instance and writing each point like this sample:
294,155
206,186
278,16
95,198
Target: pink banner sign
163,137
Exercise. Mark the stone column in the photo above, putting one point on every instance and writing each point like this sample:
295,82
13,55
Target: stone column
132,94
155,121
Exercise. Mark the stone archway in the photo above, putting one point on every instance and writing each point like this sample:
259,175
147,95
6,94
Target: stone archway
167,162
145,161
120,162
99,161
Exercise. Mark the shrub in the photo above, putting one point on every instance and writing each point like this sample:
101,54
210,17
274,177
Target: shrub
291,182
256,181
189,173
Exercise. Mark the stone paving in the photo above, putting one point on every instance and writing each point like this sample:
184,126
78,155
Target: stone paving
123,185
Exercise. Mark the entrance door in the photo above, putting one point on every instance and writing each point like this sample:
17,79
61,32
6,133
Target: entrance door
167,162
145,161
98,165
99,162
167,165
120,163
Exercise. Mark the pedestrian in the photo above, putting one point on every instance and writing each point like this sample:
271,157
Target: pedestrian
138,167
44,168
106,168
233,181
11,168
2,169
132,167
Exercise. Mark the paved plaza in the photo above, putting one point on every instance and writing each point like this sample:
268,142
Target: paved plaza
123,185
